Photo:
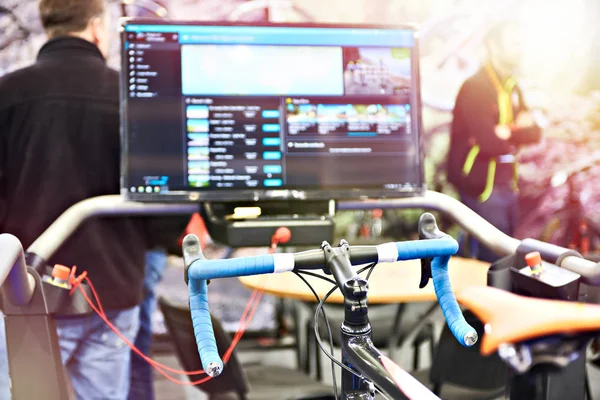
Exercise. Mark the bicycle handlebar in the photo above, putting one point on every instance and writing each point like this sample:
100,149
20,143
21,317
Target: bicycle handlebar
483,231
200,270
19,286
111,205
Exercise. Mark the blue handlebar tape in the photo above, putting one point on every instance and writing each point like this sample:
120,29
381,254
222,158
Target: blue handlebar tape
443,290
203,329
232,267
414,249
198,273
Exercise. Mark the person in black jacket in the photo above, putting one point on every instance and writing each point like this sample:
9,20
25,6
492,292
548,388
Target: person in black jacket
60,144
490,121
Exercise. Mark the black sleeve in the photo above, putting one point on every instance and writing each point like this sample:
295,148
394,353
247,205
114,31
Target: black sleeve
528,135
481,119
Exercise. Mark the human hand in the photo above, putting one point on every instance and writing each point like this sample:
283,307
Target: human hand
503,132
525,119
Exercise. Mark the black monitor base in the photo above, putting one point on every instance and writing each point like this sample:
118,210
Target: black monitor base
310,222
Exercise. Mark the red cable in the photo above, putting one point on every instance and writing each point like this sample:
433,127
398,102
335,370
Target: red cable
240,333
158,366
281,235
253,302
246,318
155,364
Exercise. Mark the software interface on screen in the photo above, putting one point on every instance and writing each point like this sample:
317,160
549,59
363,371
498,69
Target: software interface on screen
256,108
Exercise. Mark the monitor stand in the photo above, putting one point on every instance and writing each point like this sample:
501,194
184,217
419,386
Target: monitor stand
252,224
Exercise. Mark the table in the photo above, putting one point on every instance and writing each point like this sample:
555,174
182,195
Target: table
396,282
390,283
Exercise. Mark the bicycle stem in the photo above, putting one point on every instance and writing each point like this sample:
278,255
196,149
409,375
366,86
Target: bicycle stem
356,320
358,351
353,287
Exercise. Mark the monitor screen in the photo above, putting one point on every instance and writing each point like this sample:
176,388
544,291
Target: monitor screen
238,112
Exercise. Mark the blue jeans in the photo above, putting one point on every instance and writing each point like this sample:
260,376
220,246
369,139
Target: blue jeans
96,359
4,377
142,387
500,210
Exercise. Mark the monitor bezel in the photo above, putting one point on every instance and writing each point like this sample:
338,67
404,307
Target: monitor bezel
199,195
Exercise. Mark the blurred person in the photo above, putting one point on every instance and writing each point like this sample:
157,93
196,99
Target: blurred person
142,384
60,144
168,234
490,121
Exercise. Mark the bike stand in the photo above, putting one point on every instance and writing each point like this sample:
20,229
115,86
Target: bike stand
32,297
554,374
34,358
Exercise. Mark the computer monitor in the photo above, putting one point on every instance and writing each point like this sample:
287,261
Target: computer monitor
228,112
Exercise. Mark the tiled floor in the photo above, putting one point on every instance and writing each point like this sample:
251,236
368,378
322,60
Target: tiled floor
166,390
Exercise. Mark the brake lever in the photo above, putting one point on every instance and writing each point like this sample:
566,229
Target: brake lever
428,229
192,251
425,272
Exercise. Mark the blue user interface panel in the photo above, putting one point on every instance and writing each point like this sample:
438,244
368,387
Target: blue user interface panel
239,111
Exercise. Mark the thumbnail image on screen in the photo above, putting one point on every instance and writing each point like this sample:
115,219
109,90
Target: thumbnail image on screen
376,70
348,119
237,110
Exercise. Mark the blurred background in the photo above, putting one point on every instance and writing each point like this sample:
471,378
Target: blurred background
560,176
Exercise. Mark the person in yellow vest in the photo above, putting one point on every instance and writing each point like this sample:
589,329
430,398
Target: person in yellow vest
490,121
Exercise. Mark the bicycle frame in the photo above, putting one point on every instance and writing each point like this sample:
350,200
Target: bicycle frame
358,351
579,231
579,228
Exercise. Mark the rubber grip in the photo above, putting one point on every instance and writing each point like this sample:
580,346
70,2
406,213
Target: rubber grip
198,273
459,327
203,329
414,249
231,267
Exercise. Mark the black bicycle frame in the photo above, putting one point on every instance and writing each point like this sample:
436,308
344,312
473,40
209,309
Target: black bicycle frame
358,351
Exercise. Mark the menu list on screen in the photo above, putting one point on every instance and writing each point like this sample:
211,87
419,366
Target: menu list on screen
285,109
